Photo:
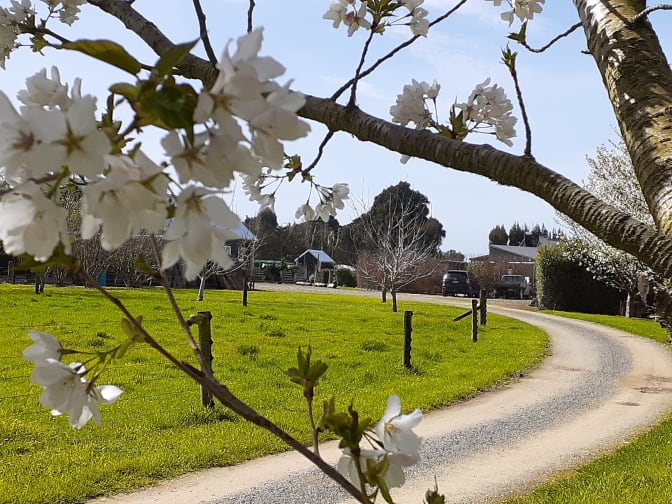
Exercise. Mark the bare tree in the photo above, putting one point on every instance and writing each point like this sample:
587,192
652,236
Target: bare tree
396,252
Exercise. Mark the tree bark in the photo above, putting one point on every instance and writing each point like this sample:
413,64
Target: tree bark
638,78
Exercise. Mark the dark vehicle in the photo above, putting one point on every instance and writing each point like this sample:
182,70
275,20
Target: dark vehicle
513,286
460,282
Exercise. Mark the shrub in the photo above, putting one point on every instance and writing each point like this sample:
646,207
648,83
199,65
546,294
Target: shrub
563,284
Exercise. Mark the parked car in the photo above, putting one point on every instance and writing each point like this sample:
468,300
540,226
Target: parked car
456,282
513,286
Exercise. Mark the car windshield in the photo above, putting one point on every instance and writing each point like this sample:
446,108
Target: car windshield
456,276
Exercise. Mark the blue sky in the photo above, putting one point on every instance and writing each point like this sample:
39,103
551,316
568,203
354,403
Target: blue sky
567,104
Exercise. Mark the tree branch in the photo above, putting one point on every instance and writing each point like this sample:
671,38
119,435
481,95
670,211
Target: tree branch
616,228
566,33
648,11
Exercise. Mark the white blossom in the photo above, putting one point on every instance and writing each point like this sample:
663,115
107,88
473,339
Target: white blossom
325,210
41,141
20,10
8,33
393,475
305,211
395,430
337,12
410,105
129,198
199,230
347,467
340,192
357,19
44,91
524,10
45,347
31,223
490,105
419,23
66,391
244,89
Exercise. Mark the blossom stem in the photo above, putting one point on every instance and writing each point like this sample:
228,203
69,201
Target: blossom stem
316,441
356,457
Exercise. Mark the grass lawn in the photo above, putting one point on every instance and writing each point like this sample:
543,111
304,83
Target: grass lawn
639,473
158,428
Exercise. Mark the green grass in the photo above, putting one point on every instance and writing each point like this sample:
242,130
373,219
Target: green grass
638,473
641,327
158,428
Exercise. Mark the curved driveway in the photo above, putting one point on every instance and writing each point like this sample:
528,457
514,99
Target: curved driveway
599,388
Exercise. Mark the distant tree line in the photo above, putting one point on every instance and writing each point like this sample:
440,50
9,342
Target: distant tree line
522,236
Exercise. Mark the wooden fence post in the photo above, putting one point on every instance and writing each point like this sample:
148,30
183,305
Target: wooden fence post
11,272
474,320
483,302
408,329
205,342
245,287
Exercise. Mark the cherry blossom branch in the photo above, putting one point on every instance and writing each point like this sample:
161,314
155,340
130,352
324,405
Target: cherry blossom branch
91,282
566,33
616,228
250,12
648,11
394,51
227,398
190,67
204,31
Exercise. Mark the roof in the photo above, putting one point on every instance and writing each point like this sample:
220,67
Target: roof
242,232
527,252
320,255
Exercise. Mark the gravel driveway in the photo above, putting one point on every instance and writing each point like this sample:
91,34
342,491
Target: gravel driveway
597,389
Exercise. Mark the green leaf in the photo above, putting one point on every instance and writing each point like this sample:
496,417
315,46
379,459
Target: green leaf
143,265
170,106
128,91
172,58
108,52
433,496
509,59
520,36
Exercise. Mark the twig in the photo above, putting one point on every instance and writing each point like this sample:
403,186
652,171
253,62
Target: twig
320,151
250,11
204,31
91,282
648,11
394,51
523,111
572,29
355,80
